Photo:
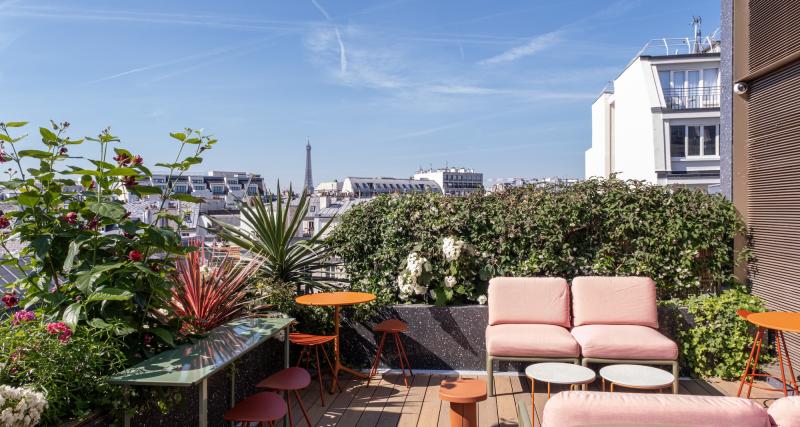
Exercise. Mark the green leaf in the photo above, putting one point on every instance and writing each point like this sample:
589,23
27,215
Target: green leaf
72,314
85,279
193,160
164,335
41,244
115,211
15,124
178,135
123,171
37,154
99,323
145,189
72,250
85,172
185,198
5,138
110,294
47,135
28,198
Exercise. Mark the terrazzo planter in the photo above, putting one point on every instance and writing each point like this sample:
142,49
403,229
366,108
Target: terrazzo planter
438,338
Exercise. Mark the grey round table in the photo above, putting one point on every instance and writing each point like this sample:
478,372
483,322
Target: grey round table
636,376
557,373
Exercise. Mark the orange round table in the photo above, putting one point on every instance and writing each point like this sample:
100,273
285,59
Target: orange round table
463,394
337,300
780,322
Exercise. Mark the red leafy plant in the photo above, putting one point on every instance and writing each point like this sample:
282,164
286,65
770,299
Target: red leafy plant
206,296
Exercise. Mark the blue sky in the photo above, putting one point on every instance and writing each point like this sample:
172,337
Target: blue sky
381,88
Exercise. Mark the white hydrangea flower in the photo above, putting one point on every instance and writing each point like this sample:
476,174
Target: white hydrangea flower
415,264
451,248
482,299
449,281
20,407
420,289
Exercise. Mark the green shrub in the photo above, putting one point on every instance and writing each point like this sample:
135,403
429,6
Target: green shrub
681,238
70,368
714,341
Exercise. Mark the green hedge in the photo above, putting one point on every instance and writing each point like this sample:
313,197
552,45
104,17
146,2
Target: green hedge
681,238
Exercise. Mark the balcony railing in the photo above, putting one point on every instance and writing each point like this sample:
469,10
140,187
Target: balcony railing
700,97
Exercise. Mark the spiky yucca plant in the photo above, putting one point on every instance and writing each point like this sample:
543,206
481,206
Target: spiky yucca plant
268,231
206,296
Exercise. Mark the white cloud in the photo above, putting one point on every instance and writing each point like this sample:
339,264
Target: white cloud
532,47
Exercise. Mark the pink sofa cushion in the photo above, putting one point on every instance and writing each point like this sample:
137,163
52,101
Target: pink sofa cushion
624,342
614,301
529,300
785,412
585,408
530,340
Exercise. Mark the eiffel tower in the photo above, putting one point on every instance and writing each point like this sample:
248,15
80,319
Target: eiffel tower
309,181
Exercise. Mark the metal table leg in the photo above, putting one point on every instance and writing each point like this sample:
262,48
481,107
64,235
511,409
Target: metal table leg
202,420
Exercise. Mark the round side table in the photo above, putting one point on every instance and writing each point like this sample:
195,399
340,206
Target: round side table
557,373
636,376
463,394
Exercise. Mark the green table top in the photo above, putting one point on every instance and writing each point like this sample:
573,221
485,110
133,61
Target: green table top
191,363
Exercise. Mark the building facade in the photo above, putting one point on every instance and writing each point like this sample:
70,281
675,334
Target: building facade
453,181
361,187
762,162
659,120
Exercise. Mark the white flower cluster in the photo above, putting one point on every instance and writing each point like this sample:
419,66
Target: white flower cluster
452,248
20,407
450,281
407,280
482,299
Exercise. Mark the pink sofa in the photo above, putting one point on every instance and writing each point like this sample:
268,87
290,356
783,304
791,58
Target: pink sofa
616,321
529,321
587,408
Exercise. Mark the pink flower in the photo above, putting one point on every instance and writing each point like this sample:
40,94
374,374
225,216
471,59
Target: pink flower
135,256
23,316
123,159
92,225
129,181
71,218
63,151
4,157
137,160
4,222
10,300
63,331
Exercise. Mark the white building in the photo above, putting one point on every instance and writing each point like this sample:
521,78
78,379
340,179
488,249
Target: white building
660,121
453,181
370,187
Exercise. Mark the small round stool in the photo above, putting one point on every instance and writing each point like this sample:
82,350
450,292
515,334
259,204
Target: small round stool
394,327
463,394
289,380
264,407
309,341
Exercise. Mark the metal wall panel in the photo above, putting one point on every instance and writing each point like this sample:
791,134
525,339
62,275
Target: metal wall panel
773,31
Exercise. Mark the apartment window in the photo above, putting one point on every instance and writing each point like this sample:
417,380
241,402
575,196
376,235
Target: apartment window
690,88
693,140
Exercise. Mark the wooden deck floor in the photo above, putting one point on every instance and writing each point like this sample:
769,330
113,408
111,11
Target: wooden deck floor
387,402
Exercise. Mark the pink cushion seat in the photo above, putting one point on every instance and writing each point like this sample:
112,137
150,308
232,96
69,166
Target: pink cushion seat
585,408
614,301
785,412
629,342
530,340
542,300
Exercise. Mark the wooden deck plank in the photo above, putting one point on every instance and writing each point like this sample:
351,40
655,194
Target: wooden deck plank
414,399
371,415
487,410
393,408
429,412
506,409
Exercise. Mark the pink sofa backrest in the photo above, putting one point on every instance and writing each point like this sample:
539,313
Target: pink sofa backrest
614,301
529,300
785,412
586,408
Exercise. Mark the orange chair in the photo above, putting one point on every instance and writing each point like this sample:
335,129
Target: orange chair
289,380
265,407
394,327
309,341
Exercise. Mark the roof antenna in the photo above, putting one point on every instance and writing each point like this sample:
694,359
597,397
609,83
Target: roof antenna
698,36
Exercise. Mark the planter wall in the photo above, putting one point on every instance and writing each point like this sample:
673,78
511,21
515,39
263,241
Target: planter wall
438,338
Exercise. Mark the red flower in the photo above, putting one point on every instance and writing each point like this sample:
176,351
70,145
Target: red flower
23,316
91,185
123,159
137,160
59,328
128,235
147,339
63,151
4,222
3,157
92,224
129,181
10,300
71,217
135,256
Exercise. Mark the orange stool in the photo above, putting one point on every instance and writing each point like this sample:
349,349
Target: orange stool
264,407
394,327
309,341
289,380
463,394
